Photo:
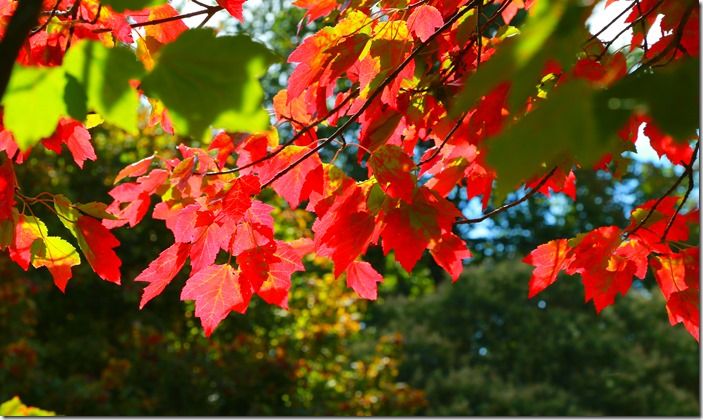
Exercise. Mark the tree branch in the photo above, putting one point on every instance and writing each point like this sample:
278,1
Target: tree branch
689,168
210,10
689,171
290,141
446,139
505,207
23,20
676,42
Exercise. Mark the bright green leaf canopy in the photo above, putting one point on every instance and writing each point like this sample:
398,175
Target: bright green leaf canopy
562,130
669,95
204,80
34,103
553,30
105,73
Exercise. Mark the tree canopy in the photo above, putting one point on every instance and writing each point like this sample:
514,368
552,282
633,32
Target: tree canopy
394,115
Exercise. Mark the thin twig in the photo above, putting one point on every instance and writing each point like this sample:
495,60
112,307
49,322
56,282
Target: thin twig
290,141
52,13
611,23
689,171
675,43
209,10
505,207
387,81
644,27
607,45
446,138
663,196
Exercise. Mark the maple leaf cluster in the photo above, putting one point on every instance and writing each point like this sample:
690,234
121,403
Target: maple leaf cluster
435,96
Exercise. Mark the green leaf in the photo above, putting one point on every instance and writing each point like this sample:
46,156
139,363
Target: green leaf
204,80
15,407
553,30
122,5
96,209
561,130
375,199
67,214
34,103
53,250
669,94
105,74
7,232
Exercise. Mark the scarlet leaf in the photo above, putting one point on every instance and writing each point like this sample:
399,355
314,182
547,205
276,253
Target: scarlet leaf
410,227
664,145
208,238
165,32
684,307
97,244
224,146
216,290
27,230
181,221
549,259
7,189
603,286
296,184
678,277
316,8
391,166
363,278
75,136
238,199
424,20
234,7
449,252
254,230
136,169
594,249
162,270
345,230
254,264
275,287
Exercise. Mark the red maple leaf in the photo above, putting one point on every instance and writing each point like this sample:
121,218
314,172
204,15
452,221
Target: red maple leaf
274,289
216,290
344,231
97,244
25,233
162,270
297,183
424,20
449,253
7,189
410,227
316,8
363,279
392,168
678,152
208,238
135,169
75,136
548,259
234,7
